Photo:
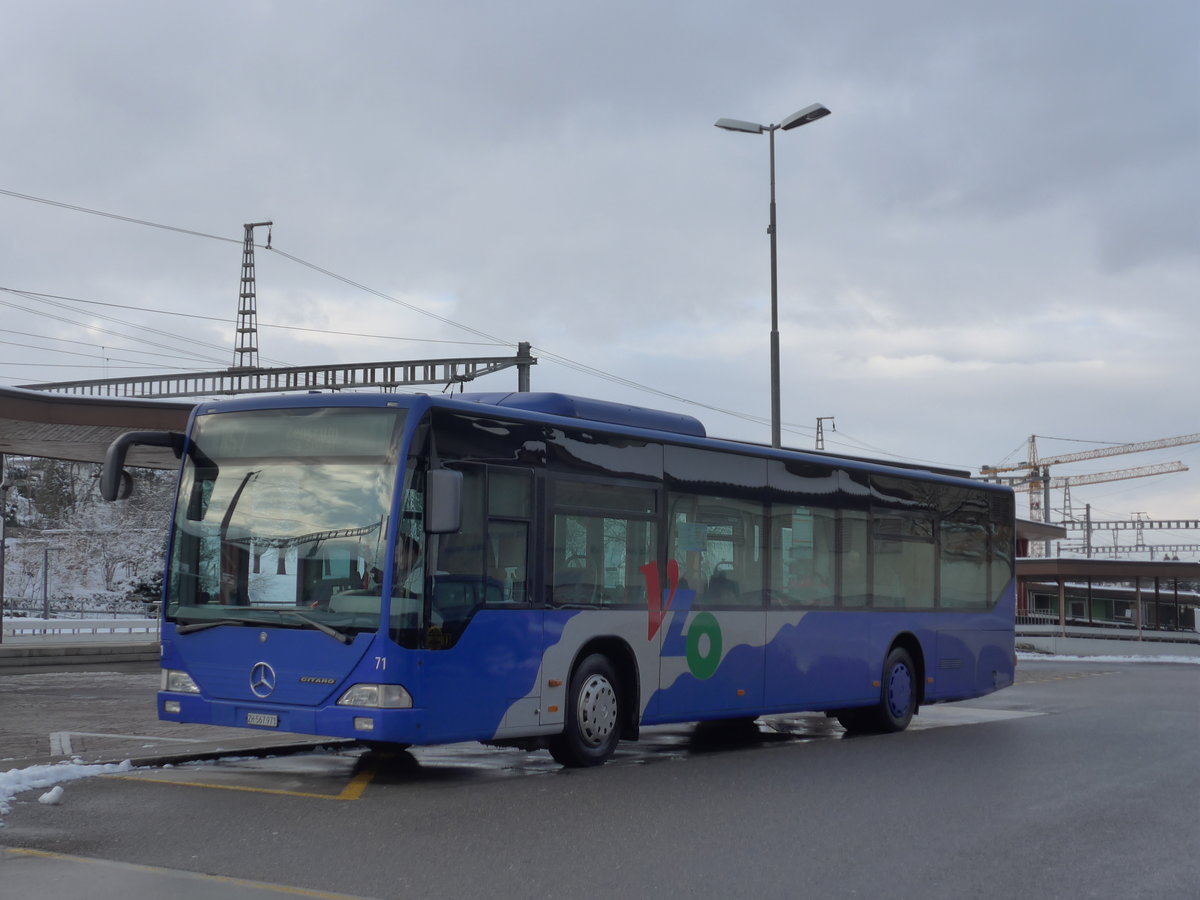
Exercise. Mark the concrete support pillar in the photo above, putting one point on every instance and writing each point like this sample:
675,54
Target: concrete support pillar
1137,604
1062,607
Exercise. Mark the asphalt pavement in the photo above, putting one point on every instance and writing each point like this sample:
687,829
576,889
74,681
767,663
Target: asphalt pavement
961,805
38,875
111,717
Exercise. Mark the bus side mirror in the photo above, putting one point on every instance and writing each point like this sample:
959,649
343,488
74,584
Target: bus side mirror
443,501
115,482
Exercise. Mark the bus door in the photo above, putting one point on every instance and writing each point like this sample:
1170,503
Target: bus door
820,648
712,655
482,629
602,561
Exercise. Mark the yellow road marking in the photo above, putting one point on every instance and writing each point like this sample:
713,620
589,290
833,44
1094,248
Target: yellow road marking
357,785
183,873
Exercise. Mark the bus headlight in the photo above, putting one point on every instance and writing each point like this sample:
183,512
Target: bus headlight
178,681
376,696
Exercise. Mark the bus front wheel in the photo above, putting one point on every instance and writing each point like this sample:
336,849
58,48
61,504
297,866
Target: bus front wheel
897,699
593,714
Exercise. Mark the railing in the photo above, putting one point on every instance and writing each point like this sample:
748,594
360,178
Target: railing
1043,618
29,629
23,607
1042,626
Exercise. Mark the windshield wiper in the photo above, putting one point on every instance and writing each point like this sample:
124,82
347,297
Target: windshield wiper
200,626
192,627
321,627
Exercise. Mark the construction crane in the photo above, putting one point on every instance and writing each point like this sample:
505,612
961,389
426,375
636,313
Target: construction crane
1034,462
1066,482
1037,478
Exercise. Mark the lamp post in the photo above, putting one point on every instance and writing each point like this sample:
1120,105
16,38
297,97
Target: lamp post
795,120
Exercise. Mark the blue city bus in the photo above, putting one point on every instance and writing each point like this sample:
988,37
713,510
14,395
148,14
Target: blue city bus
540,570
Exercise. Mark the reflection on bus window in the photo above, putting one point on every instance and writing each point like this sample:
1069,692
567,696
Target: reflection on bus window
598,554
903,558
717,542
485,563
285,513
803,556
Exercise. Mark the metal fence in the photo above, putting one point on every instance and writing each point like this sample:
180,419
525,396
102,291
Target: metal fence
23,607
78,621
29,626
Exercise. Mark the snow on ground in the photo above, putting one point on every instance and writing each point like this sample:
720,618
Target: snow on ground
1021,654
17,781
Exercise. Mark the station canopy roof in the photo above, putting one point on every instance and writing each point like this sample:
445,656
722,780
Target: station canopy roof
58,426
1029,530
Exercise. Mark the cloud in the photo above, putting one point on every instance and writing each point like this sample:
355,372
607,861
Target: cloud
995,233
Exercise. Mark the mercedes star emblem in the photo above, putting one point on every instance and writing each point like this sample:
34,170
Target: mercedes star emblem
262,680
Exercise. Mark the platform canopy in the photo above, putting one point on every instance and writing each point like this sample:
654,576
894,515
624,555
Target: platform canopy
81,428
1029,530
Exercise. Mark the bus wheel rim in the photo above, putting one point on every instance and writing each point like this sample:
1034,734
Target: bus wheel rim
899,690
597,710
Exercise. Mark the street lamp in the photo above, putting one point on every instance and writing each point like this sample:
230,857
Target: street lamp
795,120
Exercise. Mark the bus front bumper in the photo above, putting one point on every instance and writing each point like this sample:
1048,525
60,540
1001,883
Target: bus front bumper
359,723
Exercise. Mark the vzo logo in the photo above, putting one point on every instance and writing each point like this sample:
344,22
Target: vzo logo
703,642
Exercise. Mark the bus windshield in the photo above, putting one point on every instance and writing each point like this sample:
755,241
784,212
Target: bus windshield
282,519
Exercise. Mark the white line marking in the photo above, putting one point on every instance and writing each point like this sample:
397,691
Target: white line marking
60,741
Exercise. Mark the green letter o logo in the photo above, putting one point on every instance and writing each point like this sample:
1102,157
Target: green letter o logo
703,665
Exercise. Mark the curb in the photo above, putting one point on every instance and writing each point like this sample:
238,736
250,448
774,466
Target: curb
213,751
259,751
30,655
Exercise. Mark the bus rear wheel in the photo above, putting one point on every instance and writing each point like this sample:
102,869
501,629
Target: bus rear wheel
897,699
593,725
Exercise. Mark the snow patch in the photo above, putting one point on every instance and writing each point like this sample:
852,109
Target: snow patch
17,781
1051,657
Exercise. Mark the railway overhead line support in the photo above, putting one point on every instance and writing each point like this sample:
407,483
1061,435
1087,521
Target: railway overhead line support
333,377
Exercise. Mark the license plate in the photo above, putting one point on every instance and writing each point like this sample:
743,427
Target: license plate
270,720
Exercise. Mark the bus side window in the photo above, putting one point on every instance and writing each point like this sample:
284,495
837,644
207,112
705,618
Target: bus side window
510,552
853,559
602,544
717,543
510,510
578,546
1000,557
903,554
803,561
964,562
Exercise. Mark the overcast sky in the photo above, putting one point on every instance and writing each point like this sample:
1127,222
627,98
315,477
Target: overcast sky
996,233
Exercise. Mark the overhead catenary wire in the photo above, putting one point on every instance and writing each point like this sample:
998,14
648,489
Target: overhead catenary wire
581,367
120,218
227,320
96,328
93,344
45,298
542,352
92,356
